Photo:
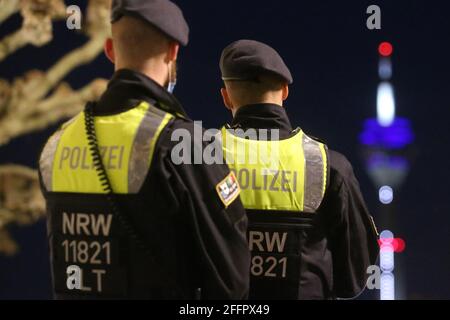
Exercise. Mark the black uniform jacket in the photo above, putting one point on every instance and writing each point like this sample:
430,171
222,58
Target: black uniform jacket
198,242
343,241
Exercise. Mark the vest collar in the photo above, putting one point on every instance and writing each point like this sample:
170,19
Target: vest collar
263,116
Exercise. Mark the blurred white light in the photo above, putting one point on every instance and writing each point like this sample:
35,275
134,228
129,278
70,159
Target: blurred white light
385,69
387,258
385,104
386,234
387,250
386,195
387,286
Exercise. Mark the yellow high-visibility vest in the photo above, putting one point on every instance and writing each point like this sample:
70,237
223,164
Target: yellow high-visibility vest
126,142
281,175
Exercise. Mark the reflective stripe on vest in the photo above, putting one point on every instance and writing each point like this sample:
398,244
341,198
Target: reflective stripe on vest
127,142
284,175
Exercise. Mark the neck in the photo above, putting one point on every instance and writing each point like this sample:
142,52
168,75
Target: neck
156,70
277,102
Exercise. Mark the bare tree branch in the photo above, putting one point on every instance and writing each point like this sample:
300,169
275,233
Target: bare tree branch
37,25
71,61
21,202
23,104
11,43
64,103
7,245
8,8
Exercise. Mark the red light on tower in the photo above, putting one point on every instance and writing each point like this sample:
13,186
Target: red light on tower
393,244
385,49
399,245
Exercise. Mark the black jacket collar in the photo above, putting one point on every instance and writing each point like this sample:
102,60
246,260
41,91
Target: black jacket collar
128,88
263,116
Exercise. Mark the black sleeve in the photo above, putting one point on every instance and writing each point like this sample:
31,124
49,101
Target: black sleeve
352,235
218,232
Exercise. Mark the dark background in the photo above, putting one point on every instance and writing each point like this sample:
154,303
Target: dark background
333,58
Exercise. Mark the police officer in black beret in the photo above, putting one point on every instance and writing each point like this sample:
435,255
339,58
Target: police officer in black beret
127,218
310,232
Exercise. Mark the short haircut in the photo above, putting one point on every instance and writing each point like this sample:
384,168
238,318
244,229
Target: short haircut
245,90
136,40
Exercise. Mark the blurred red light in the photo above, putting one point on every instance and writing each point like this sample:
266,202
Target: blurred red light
398,244
385,49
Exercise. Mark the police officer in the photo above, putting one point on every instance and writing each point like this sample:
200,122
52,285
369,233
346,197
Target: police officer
310,232
125,220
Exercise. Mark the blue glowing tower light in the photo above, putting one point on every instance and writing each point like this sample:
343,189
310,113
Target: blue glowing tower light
386,162
397,135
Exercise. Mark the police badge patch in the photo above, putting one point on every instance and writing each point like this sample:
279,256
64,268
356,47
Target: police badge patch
228,189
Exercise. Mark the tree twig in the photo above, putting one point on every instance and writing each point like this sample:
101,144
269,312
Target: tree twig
47,112
36,27
69,62
7,245
8,8
11,43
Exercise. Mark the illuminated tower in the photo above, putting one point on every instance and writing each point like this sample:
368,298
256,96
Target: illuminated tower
386,143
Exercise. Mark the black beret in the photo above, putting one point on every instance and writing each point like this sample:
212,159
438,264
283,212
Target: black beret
162,14
247,59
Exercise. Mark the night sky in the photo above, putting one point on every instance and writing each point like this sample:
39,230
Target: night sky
333,58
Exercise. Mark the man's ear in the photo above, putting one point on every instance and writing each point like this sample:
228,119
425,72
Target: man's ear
285,92
172,54
226,99
109,50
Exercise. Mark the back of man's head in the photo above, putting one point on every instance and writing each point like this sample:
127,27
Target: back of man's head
136,42
253,73
146,36
265,88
